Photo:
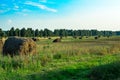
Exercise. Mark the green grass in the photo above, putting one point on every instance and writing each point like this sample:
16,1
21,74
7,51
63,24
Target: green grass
108,71
71,59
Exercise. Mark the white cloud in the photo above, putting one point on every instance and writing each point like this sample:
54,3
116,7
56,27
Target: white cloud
44,7
24,14
16,7
4,11
9,21
44,1
21,13
26,10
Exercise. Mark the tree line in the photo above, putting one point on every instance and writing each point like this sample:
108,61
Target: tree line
29,32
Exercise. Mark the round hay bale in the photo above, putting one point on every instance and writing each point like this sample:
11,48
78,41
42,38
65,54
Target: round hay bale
35,39
95,37
57,40
75,37
87,37
80,37
3,40
49,38
19,46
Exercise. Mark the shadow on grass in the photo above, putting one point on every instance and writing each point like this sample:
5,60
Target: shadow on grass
106,72
109,71
67,74
103,72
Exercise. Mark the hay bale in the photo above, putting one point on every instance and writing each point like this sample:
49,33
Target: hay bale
87,37
95,37
49,38
3,40
75,37
19,46
57,40
35,39
1,45
80,37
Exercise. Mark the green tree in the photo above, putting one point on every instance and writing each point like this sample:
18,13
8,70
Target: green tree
69,32
17,32
12,32
37,33
94,32
62,33
47,33
29,32
1,33
23,32
41,33
56,32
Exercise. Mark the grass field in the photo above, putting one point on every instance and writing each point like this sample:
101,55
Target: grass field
71,59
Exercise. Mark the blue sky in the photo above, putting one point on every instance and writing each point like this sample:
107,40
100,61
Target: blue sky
57,14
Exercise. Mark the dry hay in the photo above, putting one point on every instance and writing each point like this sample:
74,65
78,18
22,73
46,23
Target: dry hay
19,46
57,40
3,39
2,43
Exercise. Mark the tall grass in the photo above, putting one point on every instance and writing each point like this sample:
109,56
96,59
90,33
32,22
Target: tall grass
69,56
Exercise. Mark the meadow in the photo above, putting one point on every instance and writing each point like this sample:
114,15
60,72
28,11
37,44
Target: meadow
70,59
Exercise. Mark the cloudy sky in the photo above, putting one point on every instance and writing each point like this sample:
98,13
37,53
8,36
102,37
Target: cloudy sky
57,14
